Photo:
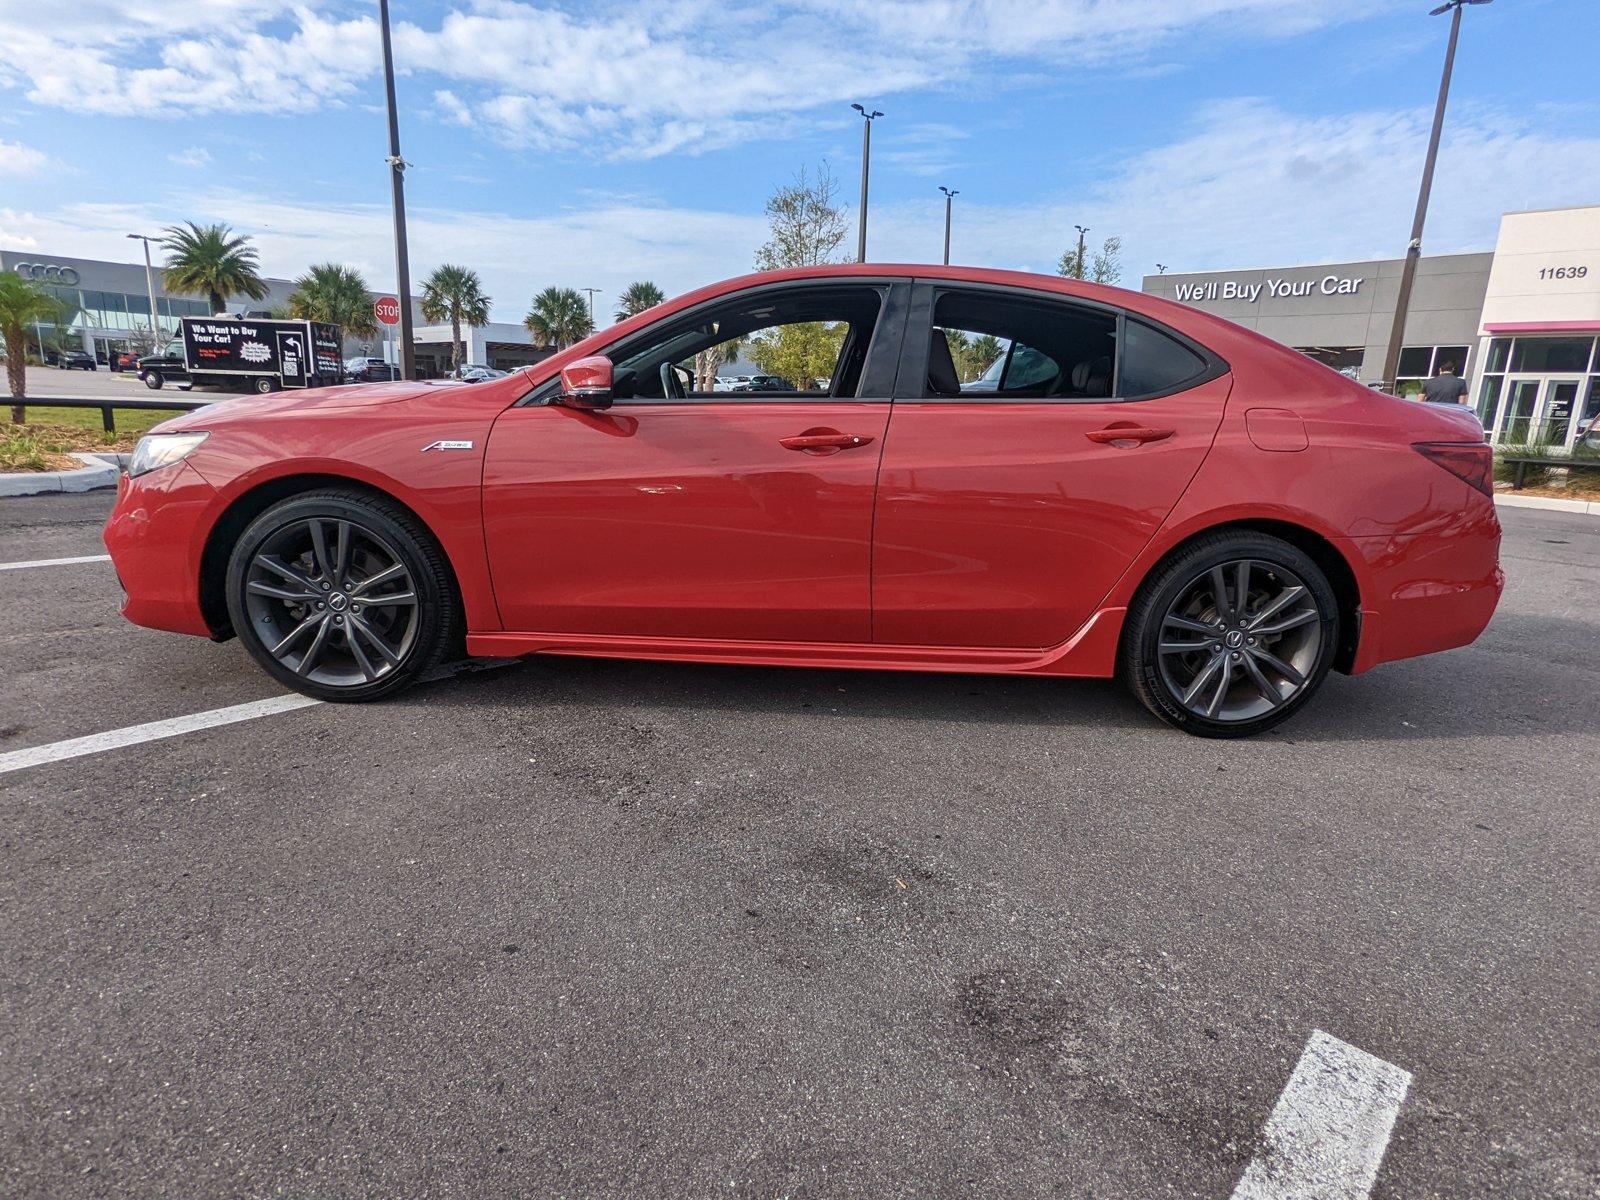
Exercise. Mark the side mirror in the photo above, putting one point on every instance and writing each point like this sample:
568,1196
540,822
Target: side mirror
586,383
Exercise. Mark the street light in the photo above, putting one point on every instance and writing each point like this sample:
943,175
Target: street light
591,292
866,165
397,188
150,286
1083,271
1408,273
948,197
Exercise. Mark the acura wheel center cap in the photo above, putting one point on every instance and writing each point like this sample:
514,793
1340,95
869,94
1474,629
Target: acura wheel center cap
337,601
1235,638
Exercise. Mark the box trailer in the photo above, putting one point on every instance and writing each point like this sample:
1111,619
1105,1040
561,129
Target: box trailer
249,354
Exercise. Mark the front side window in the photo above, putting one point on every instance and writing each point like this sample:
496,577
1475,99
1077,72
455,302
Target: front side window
808,342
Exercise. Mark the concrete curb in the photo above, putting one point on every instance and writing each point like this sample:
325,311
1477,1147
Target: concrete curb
98,471
1586,507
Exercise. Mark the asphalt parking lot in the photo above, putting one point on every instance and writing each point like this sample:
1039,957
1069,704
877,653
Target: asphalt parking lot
583,928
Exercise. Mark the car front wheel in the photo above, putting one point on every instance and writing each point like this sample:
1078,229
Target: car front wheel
1232,636
152,380
342,595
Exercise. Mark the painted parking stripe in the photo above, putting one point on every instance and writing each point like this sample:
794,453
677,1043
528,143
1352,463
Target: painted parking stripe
133,735
1326,1137
54,562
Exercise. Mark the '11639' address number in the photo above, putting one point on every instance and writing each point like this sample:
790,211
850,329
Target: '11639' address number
1563,272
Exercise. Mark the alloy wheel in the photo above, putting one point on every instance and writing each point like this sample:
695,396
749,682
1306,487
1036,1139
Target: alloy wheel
1240,640
332,601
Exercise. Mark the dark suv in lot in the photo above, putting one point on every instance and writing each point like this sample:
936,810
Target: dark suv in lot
70,360
369,370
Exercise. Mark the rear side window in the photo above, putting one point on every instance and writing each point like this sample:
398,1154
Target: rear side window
1002,346
1153,363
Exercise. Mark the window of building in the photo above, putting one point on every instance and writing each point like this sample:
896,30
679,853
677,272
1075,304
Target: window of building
1420,363
1544,356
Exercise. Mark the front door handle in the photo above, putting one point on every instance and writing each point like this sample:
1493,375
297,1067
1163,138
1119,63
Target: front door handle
1137,434
823,441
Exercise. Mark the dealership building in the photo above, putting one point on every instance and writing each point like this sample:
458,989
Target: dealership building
1520,323
109,307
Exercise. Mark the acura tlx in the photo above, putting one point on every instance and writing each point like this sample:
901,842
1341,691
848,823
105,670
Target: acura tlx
1001,472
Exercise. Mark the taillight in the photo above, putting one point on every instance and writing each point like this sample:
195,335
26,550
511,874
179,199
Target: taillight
1471,461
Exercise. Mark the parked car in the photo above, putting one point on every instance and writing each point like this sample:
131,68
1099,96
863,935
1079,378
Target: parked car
477,373
76,360
370,370
764,383
1155,494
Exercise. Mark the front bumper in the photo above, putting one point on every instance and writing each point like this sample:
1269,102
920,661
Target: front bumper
156,535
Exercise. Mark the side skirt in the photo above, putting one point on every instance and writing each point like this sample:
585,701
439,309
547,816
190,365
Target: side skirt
1091,653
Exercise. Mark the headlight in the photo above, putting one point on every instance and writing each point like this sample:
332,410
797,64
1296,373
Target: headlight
157,450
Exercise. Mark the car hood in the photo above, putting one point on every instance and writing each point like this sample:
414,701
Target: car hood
344,398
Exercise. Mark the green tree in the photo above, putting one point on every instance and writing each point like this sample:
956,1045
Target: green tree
22,303
982,351
337,295
807,223
637,297
559,317
455,294
212,261
1105,266
807,227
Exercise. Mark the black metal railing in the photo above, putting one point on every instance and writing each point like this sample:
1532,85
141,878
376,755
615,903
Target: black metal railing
107,406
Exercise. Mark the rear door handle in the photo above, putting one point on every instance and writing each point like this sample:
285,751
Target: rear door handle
1128,433
823,442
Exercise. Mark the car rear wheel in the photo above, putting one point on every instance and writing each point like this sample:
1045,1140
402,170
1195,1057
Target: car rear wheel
152,380
265,386
342,595
1232,636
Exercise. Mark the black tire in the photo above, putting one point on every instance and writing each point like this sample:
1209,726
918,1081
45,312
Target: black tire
1171,603
152,380
376,522
264,386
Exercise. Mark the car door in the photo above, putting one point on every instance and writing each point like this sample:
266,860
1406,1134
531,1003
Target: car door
1010,502
706,514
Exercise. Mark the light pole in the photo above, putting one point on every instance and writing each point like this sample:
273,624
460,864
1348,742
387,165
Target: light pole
866,166
397,184
1083,271
1408,273
150,286
948,197
591,292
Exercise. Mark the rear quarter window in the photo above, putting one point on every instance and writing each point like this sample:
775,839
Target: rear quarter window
1153,363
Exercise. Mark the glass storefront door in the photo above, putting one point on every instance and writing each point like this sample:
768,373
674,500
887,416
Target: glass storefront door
1555,412
1522,397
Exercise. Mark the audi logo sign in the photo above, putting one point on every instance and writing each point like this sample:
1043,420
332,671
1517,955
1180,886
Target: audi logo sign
48,273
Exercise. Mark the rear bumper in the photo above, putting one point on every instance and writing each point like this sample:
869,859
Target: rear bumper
155,537
1426,592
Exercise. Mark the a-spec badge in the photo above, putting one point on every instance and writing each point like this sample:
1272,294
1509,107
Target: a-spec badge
447,445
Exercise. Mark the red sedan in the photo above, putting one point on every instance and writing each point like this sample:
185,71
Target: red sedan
1005,473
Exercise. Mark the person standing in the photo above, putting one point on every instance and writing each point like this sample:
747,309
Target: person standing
1446,387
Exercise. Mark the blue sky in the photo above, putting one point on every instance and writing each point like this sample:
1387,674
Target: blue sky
593,144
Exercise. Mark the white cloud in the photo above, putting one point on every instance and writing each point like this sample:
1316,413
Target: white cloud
640,79
192,156
17,159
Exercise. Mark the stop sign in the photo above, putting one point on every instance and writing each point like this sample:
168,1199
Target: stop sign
387,310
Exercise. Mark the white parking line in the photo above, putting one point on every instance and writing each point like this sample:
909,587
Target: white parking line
54,562
1327,1134
132,735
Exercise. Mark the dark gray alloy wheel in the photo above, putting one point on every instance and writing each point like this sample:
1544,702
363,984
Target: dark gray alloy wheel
1231,636
1241,640
341,595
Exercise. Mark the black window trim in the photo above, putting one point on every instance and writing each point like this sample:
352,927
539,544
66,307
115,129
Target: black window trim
879,369
916,344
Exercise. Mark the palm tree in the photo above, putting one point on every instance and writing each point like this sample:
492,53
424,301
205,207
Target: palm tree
337,295
22,303
637,297
212,261
559,316
455,294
